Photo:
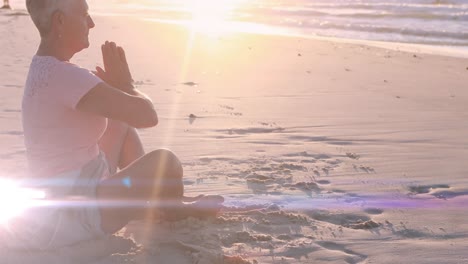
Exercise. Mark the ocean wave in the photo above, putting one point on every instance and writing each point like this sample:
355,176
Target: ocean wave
318,24
417,21
462,36
421,15
387,5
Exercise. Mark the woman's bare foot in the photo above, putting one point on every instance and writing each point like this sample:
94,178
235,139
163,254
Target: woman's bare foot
201,207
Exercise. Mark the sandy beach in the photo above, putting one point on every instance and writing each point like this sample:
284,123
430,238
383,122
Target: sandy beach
326,152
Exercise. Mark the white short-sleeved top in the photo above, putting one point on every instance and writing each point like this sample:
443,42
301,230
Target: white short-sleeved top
58,137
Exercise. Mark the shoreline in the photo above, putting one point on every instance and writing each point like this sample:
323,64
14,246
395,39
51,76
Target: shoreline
420,48
448,51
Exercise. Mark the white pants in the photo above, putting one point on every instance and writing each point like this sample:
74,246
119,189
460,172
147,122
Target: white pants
72,216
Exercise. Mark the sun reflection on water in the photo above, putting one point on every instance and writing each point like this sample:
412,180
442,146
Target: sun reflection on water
211,16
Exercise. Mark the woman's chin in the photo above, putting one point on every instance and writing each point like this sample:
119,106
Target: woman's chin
80,47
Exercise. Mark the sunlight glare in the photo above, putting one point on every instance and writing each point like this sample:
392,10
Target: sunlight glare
14,200
211,16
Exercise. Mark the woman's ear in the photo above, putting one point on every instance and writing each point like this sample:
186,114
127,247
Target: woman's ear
58,19
57,22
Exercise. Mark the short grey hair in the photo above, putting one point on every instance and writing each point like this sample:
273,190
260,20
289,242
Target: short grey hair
41,12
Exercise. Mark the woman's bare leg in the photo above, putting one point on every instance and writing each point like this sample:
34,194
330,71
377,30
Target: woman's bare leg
157,176
154,177
121,145
132,148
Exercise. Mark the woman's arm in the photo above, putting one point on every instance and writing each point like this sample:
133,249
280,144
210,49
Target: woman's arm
132,108
117,98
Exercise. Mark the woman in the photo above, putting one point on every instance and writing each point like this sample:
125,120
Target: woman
80,130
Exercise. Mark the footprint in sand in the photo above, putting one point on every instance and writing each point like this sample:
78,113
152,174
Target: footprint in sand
352,155
323,182
420,189
439,191
349,220
228,107
353,257
363,168
192,118
12,86
373,211
448,194
12,133
190,83
284,237
306,187
11,110
253,130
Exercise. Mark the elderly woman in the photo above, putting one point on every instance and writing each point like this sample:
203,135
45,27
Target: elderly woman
81,144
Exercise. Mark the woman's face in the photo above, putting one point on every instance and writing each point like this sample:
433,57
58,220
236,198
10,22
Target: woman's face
77,23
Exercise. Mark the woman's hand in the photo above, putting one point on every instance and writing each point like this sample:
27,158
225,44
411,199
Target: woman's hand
117,72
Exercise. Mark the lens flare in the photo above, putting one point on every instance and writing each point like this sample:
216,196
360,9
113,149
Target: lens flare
14,199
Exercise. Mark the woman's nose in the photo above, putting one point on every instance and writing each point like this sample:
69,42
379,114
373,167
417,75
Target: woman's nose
91,22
